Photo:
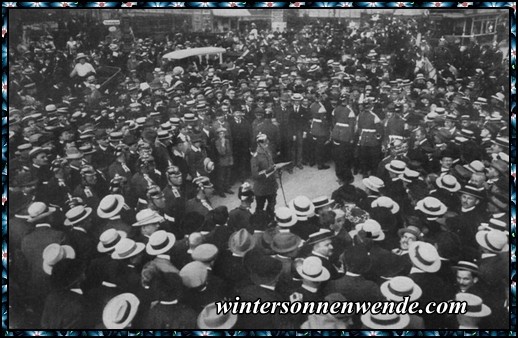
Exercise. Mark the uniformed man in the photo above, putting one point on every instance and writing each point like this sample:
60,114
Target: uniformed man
264,175
368,131
319,130
174,198
344,121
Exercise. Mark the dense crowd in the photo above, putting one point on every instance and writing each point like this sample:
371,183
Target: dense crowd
111,224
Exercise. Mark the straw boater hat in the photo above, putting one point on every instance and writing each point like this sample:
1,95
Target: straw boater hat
209,319
475,306
302,207
160,242
431,206
322,201
494,240
396,167
399,287
146,217
110,206
285,217
120,311
409,175
77,214
54,253
109,239
38,211
448,182
385,202
373,183
495,224
385,321
319,236
372,230
473,191
424,256
466,266
311,269
127,248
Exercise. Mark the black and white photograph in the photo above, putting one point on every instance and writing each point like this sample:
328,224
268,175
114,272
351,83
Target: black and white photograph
165,164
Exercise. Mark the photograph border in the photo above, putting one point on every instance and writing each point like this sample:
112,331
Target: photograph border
6,6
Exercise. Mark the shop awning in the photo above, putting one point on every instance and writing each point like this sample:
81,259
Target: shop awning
231,13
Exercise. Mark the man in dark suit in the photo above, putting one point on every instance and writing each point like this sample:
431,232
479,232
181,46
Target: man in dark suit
263,173
320,242
264,272
283,114
299,125
79,236
241,131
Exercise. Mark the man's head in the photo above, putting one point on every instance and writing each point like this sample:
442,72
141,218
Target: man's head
324,247
468,201
466,279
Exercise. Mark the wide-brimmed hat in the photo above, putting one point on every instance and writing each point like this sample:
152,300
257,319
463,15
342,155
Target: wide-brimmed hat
372,230
448,182
475,306
110,206
147,216
209,319
409,175
109,239
494,240
297,97
54,253
386,202
302,207
373,183
466,266
284,242
322,201
475,166
431,206
81,56
194,274
385,321
424,256
396,167
208,165
495,224
411,230
77,214
160,242
473,191
285,217
313,270
120,311
127,248
319,236
501,166
399,287
38,211
240,242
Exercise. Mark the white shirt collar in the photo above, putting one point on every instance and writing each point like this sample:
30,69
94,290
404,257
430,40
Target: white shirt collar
172,302
467,209
164,257
416,270
319,255
77,290
115,217
43,225
487,255
352,274
80,229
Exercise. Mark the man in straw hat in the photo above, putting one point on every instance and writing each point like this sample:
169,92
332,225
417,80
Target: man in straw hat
120,312
476,311
66,307
321,244
209,319
80,237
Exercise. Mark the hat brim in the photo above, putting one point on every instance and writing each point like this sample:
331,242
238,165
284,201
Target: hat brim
300,214
37,218
276,249
480,237
102,249
69,253
106,215
324,276
324,205
403,322
440,212
149,249
154,220
462,191
456,188
368,184
88,212
227,325
380,238
434,267
139,249
399,172
484,312
415,295
402,231
134,304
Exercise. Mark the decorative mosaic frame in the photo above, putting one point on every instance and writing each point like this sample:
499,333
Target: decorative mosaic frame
337,5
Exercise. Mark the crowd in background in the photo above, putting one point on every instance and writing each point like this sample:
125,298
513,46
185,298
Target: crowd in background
114,155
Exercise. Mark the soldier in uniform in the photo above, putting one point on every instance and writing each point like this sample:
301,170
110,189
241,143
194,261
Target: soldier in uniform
342,134
368,130
174,198
263,172
319,131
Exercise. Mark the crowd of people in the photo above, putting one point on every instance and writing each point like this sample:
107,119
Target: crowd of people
111,223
